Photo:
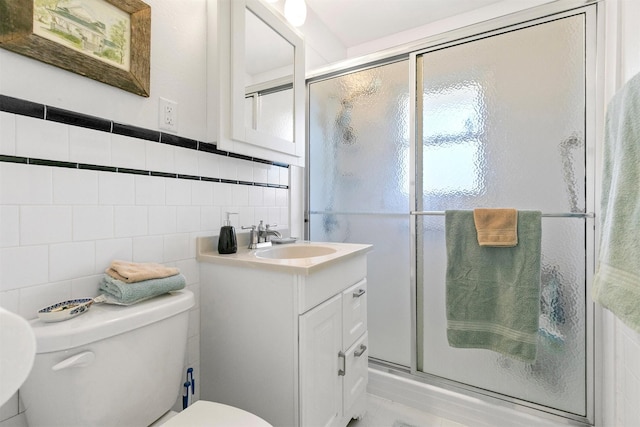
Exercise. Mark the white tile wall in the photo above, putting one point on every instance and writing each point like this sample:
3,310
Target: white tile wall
8,128
186,162
9,226
89,146
92,222
116,189
45,224
71,260
150,190
41,139
160,157
127,152
131,220
75,187
162,219
25,186
178,192
22,266
60,227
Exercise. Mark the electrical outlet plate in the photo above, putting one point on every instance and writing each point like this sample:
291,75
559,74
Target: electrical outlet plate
168,115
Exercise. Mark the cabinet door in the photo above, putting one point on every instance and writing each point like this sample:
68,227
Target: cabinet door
356,377
354,313
320,385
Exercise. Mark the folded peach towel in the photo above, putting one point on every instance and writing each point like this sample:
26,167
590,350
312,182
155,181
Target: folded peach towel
496,227
131,272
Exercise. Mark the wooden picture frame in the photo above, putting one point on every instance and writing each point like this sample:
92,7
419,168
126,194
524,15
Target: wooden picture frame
17,35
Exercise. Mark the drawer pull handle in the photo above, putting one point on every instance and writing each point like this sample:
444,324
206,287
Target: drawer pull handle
342,372
359,293
360,351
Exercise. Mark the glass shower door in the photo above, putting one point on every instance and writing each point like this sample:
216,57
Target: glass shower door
502,124
359,189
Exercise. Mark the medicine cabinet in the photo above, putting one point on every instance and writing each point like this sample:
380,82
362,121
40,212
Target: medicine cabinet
257,69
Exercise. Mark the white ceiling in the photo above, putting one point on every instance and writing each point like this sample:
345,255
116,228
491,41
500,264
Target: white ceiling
359,21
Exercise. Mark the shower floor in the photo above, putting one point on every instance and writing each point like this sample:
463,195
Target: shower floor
400,401
382,412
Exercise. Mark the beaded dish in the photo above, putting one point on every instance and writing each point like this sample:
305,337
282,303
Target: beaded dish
65,310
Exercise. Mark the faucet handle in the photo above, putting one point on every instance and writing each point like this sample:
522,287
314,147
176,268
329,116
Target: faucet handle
253,236
271,226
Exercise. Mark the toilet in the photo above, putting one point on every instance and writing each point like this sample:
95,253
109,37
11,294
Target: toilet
119,366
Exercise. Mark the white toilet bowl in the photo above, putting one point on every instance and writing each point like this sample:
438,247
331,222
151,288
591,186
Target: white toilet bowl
210,414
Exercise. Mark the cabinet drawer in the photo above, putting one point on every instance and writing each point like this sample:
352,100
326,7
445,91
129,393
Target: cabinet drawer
356,376
354,313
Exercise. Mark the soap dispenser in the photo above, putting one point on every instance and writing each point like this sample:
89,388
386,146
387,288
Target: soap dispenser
227,242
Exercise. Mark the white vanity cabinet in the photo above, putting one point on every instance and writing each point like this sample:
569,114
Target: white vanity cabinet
289,345
333,359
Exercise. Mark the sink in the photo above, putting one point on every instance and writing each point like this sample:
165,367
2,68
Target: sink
295,252
17,352
302,257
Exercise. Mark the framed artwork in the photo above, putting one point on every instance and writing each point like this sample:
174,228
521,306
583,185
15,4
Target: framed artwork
106,40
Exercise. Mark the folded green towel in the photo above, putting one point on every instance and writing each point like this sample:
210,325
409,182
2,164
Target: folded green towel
617,280
493,293
119,292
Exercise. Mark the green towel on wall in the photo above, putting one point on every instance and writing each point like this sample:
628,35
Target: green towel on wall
617,280
118,292
493,293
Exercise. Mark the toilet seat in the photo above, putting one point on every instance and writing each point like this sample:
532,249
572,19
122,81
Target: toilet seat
211,414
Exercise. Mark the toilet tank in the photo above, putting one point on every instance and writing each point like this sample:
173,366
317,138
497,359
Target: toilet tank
112,366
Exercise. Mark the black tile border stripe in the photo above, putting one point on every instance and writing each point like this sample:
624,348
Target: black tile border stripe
178,141
44,112
135,132
22,107
76,119
158,174
40,111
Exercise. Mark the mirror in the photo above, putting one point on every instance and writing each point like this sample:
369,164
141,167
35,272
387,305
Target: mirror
261,83
269,60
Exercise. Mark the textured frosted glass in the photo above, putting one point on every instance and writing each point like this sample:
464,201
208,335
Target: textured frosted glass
276,114
388,277
359,185
504,127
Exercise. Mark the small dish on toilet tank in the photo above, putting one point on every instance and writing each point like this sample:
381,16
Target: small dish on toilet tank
65,310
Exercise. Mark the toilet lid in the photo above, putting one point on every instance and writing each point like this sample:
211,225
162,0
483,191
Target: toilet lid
212,414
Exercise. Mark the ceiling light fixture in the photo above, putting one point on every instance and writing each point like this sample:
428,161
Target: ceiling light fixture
295,11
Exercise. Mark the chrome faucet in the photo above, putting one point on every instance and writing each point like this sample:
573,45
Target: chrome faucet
268,231
264,231
260,234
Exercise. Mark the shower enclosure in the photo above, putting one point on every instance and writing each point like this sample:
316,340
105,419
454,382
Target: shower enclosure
497,118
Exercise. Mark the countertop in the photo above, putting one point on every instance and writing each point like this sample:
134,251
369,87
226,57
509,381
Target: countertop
207,252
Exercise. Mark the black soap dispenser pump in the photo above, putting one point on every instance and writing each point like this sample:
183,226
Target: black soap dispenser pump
227,242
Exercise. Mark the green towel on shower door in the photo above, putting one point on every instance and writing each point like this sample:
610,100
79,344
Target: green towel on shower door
617,281
493,293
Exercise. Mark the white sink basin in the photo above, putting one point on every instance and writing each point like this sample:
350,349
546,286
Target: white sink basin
17,351
302,257
295,252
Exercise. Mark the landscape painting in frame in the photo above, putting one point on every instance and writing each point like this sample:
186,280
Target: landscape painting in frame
92,27
105,40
